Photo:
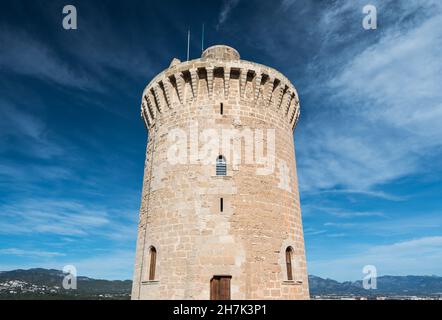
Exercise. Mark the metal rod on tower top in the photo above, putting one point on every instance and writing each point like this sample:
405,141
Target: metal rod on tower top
202,40
188,44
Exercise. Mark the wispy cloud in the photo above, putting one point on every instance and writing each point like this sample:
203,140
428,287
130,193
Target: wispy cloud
387,227
421,256
80,221
114,265
311,209
313,232
59,217
226,9
26,133
371,114
368,193
86,59
30,253
25,55
384,108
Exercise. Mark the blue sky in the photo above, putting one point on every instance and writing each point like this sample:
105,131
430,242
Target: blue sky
369,142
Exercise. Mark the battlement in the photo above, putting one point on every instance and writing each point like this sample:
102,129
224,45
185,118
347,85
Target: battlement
181,84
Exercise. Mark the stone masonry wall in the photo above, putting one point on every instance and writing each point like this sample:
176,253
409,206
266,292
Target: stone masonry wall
180,212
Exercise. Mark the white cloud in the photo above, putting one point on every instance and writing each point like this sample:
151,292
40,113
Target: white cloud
384,116
377,225
226,9
51,216
400,80
25,55
342,213
82,221
30,253
313,232
77,66
115,265
31,132
375,194
422,256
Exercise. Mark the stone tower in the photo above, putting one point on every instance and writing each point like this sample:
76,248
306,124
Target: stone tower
220,215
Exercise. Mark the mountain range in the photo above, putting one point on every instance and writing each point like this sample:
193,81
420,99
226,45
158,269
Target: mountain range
47,284
385,286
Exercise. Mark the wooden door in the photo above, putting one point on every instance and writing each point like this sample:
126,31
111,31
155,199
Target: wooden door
220,288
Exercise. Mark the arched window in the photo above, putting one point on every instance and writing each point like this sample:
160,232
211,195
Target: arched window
288,261
153,261
221,166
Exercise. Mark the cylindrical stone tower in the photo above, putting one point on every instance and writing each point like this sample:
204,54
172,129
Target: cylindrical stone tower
220,216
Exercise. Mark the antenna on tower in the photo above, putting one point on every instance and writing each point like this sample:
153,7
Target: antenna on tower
202,40
188,44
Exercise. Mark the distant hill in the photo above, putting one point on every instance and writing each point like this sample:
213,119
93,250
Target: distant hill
386,285
47,284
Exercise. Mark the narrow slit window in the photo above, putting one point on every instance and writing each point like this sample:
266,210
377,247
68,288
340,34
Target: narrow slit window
221,204
153,261
221,108
288,258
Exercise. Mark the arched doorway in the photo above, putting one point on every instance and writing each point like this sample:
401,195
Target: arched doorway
220,288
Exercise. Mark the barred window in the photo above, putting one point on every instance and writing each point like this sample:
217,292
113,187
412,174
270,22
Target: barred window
221,166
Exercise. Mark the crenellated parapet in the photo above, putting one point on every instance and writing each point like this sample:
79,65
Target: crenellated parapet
182,83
